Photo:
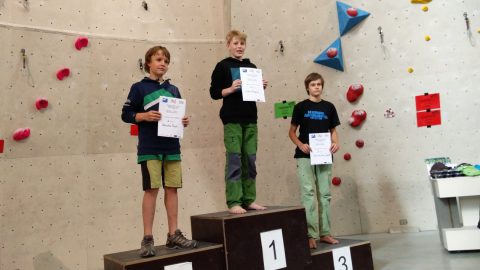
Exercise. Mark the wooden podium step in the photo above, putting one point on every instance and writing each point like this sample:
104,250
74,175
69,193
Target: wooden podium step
348,254
270,239
205,256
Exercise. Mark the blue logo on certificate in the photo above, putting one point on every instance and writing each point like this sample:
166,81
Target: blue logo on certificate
164,100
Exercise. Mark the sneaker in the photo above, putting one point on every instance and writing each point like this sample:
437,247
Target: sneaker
147,248
178,241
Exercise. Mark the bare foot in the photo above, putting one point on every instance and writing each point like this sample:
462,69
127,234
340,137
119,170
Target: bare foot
312,243
254,206
237,209
329,240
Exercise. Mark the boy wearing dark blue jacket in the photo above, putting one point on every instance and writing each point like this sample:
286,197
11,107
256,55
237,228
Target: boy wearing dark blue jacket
159,157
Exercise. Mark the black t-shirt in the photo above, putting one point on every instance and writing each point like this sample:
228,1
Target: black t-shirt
313,117
234,109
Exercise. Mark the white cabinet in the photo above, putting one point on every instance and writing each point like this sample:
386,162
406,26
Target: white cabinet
457,203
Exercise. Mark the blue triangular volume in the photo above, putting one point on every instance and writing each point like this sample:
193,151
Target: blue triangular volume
347,22
334,62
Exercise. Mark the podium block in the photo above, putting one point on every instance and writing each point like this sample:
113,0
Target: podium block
359,255
275,238
205,256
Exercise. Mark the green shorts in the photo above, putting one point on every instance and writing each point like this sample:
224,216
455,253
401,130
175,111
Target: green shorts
158,173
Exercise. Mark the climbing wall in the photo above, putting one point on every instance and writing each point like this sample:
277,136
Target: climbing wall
386,180
71,191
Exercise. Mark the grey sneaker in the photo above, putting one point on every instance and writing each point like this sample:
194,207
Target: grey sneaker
178,241
147,248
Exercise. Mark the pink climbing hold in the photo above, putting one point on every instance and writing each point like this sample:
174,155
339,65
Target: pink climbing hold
81,42
21,134
62,73
2,143
41,103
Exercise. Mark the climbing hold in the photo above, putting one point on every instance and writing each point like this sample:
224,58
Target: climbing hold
21,133
427,38
410,70
81,42
352,12
359,143
347,156
336,181
349,17
357,118
2,143
41,103
335,62
354,92
62,73
425,8
332,52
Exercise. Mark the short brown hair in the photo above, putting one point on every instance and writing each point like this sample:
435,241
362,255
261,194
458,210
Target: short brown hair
313,77
151,52
235,33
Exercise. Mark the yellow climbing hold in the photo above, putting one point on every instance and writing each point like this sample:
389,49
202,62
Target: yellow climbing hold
478,30
410,70
427,38
425,8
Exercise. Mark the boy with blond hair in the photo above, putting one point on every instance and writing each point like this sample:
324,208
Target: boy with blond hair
240,127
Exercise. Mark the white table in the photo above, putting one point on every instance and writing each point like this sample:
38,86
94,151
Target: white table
457,203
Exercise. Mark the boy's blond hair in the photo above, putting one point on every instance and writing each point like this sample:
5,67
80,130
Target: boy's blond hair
235,33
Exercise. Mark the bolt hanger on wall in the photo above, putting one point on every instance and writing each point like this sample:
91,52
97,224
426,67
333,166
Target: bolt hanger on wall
145,5
140,64
380,32
281,47
26,4
25,69
24,58
467,21
469,32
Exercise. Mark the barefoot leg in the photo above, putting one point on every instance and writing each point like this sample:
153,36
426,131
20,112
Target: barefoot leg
254,206
237,209
329,240
312,243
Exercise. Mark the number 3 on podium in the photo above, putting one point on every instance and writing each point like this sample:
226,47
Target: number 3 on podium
342,259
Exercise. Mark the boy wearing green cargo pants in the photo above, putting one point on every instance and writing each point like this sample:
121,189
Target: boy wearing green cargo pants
240,127
314,115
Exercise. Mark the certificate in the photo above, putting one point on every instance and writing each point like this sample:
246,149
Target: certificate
320,144
172,111
252,84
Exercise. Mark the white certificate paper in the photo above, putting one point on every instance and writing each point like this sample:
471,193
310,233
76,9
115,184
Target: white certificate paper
172,110
252,84
320,144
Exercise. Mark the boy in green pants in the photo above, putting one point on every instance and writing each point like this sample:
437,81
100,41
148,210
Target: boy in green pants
314,115
240,127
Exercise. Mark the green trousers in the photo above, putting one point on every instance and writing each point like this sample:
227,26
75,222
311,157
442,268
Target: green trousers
315,195
240,170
